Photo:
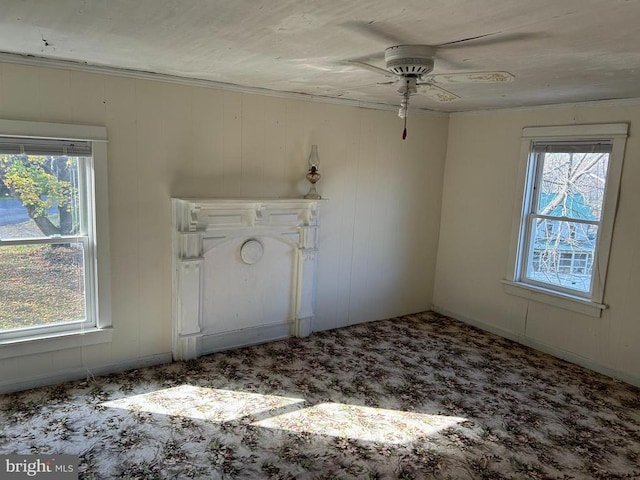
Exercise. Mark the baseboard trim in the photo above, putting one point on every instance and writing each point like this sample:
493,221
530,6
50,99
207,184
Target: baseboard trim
543,347
217,342
81,373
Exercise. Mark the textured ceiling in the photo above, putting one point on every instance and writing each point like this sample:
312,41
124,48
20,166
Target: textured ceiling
559,50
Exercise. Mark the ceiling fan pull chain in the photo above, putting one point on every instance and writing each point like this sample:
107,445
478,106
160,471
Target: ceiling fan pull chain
404,133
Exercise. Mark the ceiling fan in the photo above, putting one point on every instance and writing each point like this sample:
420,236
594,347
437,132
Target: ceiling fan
410,66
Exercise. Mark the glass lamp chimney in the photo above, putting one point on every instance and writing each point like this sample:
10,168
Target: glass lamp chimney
314,159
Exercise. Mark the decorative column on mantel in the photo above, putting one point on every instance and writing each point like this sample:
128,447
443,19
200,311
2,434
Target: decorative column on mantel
256,230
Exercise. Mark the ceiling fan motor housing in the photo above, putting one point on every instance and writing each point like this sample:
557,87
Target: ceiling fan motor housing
409,59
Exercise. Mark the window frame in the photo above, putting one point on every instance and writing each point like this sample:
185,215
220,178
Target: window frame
530,216
591,302
97,326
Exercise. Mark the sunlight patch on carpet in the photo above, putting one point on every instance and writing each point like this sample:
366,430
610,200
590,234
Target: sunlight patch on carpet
203,403
361,423
287,413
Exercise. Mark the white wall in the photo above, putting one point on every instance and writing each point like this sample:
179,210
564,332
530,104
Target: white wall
379,228
477,207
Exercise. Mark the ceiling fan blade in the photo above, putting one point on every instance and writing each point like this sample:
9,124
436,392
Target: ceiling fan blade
438,94
372,68
471,77
455,42
377,32
487,39
342,91
374,57
445,63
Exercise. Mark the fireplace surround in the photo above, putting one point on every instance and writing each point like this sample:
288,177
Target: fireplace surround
244,272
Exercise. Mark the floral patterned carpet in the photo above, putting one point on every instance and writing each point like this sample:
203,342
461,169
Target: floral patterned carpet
416,397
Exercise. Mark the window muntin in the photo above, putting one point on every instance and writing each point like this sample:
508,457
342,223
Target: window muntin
47,239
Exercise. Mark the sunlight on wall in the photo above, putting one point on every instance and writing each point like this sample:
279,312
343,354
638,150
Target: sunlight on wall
291,414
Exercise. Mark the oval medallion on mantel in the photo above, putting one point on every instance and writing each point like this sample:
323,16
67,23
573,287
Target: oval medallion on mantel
251,251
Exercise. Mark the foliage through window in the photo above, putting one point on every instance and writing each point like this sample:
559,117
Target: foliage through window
47,240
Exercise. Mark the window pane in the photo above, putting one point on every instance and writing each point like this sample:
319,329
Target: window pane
41,285
572,185
39,196
561,253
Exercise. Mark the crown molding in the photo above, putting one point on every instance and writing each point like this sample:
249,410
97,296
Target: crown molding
34,61
613,102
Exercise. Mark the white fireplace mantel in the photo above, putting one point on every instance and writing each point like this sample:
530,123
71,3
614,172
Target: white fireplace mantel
244,272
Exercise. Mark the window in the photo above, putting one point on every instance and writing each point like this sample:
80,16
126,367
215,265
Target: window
569,185
53,233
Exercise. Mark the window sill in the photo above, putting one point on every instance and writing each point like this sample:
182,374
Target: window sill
17,347
567,302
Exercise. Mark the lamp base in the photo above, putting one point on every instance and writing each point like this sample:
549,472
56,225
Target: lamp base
313,176
313,193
